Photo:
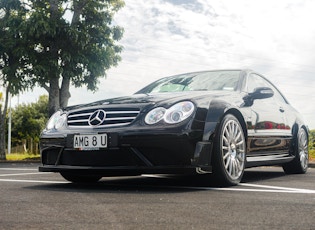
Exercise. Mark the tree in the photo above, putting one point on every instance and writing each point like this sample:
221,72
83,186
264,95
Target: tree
13,58
74,43
55,43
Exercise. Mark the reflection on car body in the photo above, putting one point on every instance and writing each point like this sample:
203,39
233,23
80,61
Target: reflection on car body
216,122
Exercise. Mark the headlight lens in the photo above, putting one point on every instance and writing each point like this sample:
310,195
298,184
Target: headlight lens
56,121
177,113
155,115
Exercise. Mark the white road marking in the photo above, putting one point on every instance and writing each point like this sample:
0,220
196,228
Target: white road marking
280,190
267,188
254,187
22,174
20,169
35,181
277,187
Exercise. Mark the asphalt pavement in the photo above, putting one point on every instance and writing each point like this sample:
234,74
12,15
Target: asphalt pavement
266,199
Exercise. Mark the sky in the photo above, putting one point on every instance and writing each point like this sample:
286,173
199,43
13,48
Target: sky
167,37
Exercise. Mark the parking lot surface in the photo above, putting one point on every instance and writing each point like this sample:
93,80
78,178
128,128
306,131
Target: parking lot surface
266,199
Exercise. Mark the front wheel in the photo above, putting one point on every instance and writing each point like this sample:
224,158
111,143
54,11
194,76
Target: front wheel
81,178
300,162
229,152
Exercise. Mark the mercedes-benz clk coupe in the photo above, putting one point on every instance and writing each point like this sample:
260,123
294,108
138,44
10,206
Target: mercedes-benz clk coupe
210,122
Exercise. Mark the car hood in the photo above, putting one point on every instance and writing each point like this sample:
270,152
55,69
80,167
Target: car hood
157,98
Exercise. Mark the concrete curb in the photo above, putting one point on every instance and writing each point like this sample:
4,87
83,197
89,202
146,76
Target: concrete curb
21,162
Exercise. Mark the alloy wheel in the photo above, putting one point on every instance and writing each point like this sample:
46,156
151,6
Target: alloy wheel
303,148
233,149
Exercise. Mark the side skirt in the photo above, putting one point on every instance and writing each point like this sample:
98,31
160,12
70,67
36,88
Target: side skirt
268,160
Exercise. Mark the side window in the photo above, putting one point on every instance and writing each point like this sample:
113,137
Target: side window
255,81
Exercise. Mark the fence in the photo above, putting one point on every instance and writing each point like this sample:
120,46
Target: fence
28,146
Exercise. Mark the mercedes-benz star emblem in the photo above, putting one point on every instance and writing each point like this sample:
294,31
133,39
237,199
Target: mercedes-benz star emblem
97,118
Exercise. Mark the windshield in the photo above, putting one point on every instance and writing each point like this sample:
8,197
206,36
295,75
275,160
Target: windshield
206,81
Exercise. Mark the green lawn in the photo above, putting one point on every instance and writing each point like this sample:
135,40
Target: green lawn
22,157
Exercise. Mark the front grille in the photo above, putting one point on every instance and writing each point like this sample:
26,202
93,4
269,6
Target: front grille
114,117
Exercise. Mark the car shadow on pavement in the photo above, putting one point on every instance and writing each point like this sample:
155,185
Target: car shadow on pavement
158,183
268,173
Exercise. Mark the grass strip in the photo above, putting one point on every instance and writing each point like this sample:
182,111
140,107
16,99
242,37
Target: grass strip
22,157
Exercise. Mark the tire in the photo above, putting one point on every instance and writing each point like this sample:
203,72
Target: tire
80,178
229,154
299,164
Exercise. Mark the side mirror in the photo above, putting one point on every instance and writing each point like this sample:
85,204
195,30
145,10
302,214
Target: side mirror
259,93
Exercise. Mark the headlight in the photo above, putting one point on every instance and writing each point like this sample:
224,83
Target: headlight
177,113
155,115
56,121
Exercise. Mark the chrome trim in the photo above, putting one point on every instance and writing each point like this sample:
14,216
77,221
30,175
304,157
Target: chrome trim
114,117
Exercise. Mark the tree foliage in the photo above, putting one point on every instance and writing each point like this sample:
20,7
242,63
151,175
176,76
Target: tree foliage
28,120
14,48
74,43
13,57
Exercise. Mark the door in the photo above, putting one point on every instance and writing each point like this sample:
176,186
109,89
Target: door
269,136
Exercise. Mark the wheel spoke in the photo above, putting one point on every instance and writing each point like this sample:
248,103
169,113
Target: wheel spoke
225,140
226,155
236,131
227,163
233,169
238,136
240,143
225,147
240,158
232,130
230,167
238,166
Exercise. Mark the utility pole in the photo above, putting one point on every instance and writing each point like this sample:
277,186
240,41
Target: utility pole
9,126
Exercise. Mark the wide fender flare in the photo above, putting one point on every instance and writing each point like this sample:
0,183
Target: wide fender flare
299,124
217,110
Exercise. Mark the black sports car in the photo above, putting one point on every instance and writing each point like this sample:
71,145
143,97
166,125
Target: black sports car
216,122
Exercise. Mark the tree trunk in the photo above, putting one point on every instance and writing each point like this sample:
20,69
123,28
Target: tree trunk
65,92
3,114
2,136
54,97
53,101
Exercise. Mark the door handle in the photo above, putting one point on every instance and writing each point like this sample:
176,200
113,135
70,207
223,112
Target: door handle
281,109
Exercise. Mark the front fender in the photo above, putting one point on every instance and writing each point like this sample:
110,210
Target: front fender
217,110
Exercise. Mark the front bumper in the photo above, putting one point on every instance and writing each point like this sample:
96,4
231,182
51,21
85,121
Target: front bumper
132,154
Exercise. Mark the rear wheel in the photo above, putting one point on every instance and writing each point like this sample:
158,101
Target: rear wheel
80,178
229,155
300,162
